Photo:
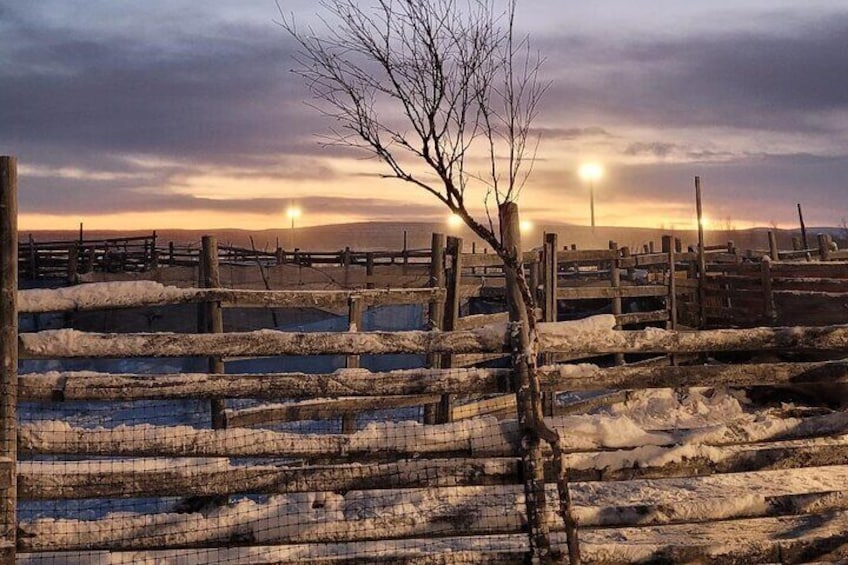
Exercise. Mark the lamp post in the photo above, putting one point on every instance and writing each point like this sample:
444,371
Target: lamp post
591,172
293,212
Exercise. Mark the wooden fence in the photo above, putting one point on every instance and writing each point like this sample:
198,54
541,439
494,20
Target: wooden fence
405,492
470,467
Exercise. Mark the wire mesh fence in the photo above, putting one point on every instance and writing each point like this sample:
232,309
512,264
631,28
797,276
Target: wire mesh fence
108,474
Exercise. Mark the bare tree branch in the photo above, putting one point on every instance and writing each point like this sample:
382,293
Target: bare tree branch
436,84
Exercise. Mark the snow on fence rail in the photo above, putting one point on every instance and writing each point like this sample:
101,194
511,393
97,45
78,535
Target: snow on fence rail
590,336
98,296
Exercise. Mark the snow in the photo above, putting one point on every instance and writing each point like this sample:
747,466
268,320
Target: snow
100,295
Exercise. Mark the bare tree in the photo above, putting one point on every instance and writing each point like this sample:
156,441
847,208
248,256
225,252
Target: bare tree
443,94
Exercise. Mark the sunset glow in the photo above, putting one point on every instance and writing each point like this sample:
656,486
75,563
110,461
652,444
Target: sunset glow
120,135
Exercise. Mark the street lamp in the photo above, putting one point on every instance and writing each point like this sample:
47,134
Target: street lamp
591,172
293,212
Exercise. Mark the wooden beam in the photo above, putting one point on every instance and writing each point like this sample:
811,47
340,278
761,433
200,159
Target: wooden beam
8,354
598,292
560,337
74,480
80,298
347,408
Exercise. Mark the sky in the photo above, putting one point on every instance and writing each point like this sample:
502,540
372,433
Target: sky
184,114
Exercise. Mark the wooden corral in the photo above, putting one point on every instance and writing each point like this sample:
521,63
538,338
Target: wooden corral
464,477
453,486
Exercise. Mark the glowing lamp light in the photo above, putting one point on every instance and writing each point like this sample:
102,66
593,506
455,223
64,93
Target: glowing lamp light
526,226
590,172
454,221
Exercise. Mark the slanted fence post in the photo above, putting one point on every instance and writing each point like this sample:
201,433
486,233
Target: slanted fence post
529,407
549,309
9,356
702,264
774,252
436,310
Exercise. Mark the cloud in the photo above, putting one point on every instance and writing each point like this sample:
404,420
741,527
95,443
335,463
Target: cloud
656,148
766,79
116,116
570,134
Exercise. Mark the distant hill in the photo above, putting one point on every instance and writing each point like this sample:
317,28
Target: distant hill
390,236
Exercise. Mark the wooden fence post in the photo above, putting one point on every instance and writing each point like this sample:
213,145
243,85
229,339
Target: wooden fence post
154,253
405,253
702,263
550,282
768,295
8,356
33,260
803,227
369,270
436,309
532,461
212,320
615,283
450,315
73,263
549,305
355,311
774,253
824,246
671,300
631,271
345,264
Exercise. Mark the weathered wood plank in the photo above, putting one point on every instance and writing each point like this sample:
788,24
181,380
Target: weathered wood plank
320,409
168,477
88,386
642,317
585,255
83,298
598,292
469,511
498,404
483,437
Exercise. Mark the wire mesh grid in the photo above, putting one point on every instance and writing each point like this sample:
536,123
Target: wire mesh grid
148,480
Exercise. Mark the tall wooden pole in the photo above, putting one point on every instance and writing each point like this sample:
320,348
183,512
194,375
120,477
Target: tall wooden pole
803,227
450,315
9,355
702,263
354,319
213,320
532,461
436,311
615,283
549,310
